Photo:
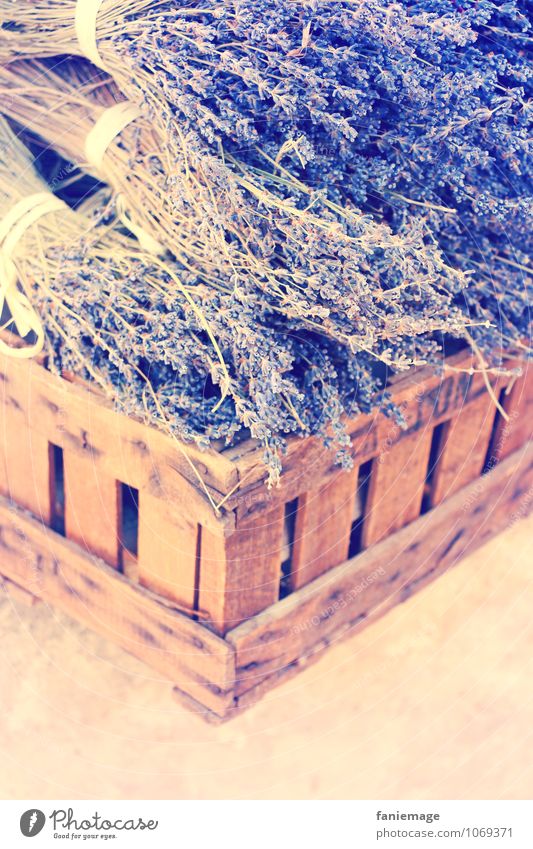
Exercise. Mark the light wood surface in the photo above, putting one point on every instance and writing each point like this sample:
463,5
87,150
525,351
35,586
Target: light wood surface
240,574
92,507
322,528
167,551
463,448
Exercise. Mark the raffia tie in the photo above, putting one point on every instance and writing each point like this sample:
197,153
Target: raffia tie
108,126
13,226
85,19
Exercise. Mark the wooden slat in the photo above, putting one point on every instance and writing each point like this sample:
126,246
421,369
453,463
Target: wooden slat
91,507
240,574
167,551
396,487
70,415
77,419
61,574
26,464
322,528
424,398
463,448
335,604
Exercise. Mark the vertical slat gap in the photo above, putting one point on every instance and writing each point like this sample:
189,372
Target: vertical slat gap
197,568
57,488
363,483
128,531
285,584
437,442
498,428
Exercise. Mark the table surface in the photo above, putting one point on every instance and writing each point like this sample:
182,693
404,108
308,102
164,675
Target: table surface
431,702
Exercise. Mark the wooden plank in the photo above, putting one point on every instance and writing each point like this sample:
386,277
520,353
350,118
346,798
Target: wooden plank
3,469
148,459
26,464
463,449
322,528
167,551
190,704
396,487
61,574
91,507
385,575
77,419
240,574
424,399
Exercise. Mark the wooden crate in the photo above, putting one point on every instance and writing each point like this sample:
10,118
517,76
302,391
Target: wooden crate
105,518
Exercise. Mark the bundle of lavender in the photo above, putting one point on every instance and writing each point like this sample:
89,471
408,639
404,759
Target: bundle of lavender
85,118
330,271
403,127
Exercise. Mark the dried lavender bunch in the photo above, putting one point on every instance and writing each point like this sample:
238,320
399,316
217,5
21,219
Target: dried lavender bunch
335,271
284,381
413,113
64,104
